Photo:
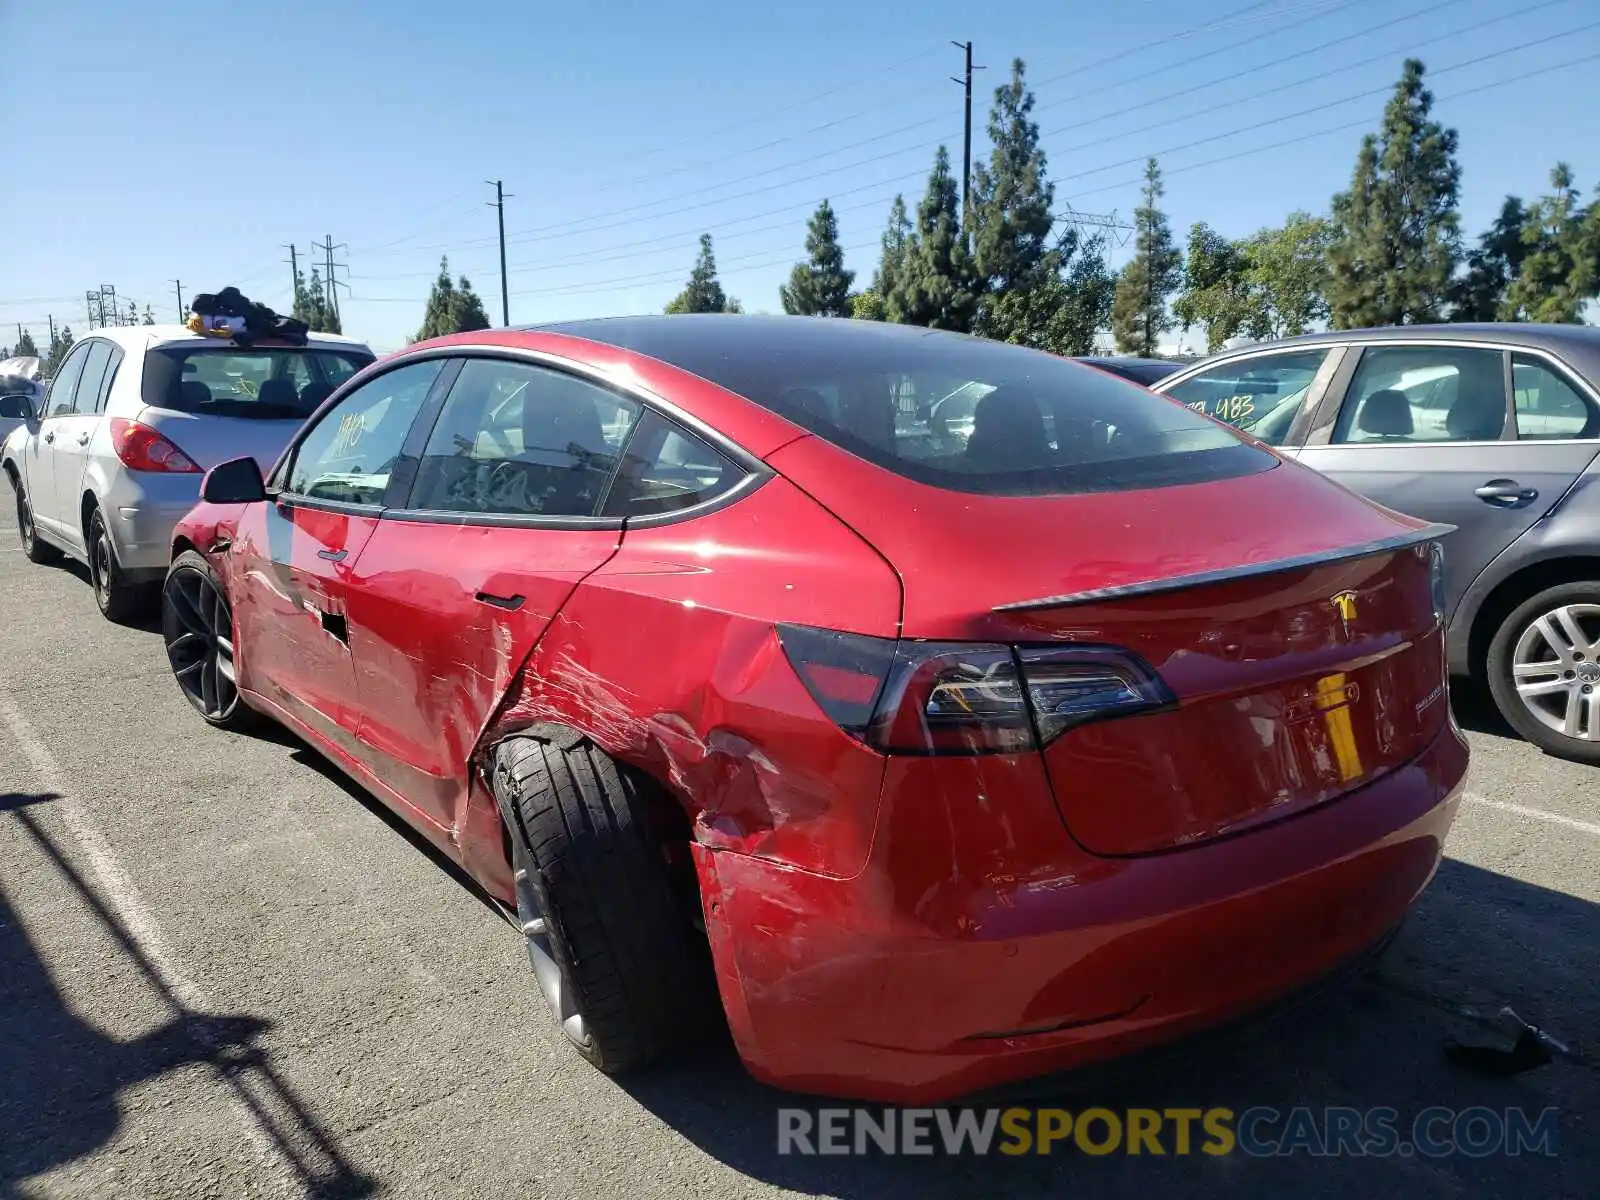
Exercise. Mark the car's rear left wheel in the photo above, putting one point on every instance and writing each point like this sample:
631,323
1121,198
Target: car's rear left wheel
118,599
1544,670
626,977
197,627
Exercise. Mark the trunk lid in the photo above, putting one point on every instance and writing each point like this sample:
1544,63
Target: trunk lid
1292,620
210,440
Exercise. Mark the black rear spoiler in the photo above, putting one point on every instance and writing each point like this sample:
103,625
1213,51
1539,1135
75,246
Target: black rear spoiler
1174,583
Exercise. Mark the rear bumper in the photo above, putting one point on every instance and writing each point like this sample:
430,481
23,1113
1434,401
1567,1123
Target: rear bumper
865,987
141,514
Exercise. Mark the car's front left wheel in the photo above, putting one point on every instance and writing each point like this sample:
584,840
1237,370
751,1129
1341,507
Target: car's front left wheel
1544,670
33,546
197,627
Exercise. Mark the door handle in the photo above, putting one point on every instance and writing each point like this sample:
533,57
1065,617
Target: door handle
51,436
332,555
1506,493
83,439
509,603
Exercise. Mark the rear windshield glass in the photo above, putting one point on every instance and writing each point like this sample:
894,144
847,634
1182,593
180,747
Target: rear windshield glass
956,412
233,381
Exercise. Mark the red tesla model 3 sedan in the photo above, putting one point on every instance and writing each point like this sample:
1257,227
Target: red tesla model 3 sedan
942,712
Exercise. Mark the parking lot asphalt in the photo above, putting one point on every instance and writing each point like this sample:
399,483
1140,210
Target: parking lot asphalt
225,972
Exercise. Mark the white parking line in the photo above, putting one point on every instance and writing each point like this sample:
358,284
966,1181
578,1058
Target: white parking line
122,897
1537,814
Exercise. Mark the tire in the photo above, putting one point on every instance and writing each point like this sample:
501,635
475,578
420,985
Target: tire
34,547
119,600
1558,706
197,630
622,968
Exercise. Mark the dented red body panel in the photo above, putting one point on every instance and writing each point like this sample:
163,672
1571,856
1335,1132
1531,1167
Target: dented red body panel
892,927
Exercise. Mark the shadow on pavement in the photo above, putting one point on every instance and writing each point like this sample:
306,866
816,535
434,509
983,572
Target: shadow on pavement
1476,942
61,1079
1475,709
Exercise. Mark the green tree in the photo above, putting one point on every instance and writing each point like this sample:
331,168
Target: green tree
1288,275
25,347
1011,219
1139,313
1217,290
1477,295
819,287
885,288
453,307
133,314
867,306
314,305
936,285
1397,233
149,316
704,292
1560,269
1065,305
59,346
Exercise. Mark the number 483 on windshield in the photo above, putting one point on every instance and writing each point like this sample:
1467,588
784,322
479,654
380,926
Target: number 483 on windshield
1232,409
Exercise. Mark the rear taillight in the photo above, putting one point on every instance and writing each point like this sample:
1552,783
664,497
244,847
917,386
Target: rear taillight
912,697
144,449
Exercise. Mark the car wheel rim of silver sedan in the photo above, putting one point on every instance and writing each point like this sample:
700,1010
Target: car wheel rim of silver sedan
1556,670
198,629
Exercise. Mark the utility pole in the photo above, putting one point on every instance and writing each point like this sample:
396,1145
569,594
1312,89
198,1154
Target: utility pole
52,320
294,269
178,284
966,140
327,247
110,314
499,205
90,300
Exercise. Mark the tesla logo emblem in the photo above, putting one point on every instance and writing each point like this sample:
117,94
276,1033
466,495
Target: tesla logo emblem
1345,605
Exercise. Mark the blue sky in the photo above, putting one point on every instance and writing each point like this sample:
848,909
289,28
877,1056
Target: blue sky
150,142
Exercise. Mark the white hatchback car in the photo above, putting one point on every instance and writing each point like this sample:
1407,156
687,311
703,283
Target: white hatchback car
113,456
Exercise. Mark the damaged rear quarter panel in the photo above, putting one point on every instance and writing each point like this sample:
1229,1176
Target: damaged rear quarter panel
667,657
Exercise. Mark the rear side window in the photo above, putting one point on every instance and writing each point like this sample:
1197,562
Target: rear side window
233,381
667,468
1548,406
956,412
1424,394
515,439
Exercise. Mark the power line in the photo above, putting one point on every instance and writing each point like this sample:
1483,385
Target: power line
1298,81
536,233
1388,89
1359,123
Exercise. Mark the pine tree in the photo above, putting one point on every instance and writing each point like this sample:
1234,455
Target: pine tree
1063,309
884,292
466,309
25,347
1560,270
149,316
1397,231
1481,290
453,307
59,347
439,317
1139,313
704,292
936,285
1011,219
819,287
